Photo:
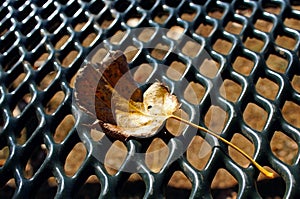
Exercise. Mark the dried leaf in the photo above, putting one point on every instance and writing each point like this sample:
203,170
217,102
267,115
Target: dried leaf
109,95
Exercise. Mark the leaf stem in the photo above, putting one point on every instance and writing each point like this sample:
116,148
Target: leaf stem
260,168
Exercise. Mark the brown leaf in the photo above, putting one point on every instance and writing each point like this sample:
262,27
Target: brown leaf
107,94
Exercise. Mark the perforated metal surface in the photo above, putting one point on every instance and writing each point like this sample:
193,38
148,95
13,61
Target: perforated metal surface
43,44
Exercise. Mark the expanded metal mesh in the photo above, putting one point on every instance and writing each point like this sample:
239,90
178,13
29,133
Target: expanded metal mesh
252,44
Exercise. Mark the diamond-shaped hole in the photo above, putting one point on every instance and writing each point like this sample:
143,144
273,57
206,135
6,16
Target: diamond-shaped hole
267,88
263,25
277,63
191,49
47,80
92,183
295,5
234,27
4,154
41,60
274,188
215,119
223,179
53,104
48,11
198,152
37,157
29,27
187,13
173,3
69,59
75,159
292,23
118,37
115,157
96,135
122,5
222,46
16,82
134,18
8,189
194,93
244,144
134,187
5,27
64,128
255,116
209,68
230,90
161,16
156,155
175,32
204,29
176,70
21,104
286,42
254,43
55,23
143,72
99,55
296,83
147,5
79,22
290,112
160,51
72,9
96,7
49,186
61,39
176,127
243,65
179,185
146,34
272,8
90,39
13,57
131,52
106,19
216,12
284,147
30,125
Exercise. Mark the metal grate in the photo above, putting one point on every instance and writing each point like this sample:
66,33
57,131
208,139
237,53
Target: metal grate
252,44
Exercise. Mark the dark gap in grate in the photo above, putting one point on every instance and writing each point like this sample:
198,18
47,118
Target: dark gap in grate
79,22
48,11
272,7
24,13
122,5
72,8
27,125
6,26
7,43
96,7
106,20
18,4
173,3
133,17
32,42
187,12
147,5
11,59
3,13
29,26
243,8
54,23
199,2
